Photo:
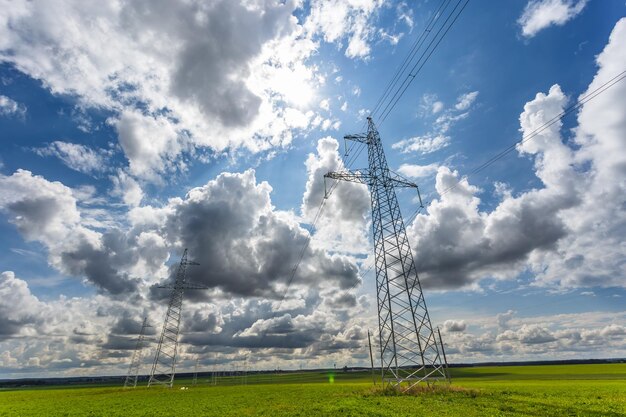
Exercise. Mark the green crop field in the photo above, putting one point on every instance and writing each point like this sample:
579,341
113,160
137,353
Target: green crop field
550,390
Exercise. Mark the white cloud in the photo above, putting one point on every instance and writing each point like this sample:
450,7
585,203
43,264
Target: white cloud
465,101
19,309
47,212
557,231
418,171
423,144
338,20
197,94
438,137
562,336
127,188
78,157
343,225
405,14
10,107
541,14
454,326
150,144
41,210
393,39
325,104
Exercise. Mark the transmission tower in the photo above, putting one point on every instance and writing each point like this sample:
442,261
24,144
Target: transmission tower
135,362
164,366
409,349
194,381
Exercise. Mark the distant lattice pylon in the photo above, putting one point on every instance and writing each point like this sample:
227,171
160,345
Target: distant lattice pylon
135,362
410,351
164,366
194,381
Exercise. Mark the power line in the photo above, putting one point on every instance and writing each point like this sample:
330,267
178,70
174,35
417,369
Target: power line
407,60
415,70
584,99
316,218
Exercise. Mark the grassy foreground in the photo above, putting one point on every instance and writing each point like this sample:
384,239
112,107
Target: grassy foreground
553,390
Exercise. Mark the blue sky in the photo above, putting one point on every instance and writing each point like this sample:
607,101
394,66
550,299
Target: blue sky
139,131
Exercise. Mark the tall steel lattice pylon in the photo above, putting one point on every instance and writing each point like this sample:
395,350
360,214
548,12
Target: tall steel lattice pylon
410,351
164,366
135,362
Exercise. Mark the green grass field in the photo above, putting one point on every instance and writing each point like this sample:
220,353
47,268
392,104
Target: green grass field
550,390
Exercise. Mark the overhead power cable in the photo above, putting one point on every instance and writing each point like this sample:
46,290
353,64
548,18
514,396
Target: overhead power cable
316,218
529,136
424,57
407,60
584,99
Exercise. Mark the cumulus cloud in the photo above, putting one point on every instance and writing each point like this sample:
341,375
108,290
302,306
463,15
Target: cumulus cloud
127,188
245,246
10,107
454,326
47,212
541,14
62,335
344,20
151,144
470,244
557,231
343,223
418,171
562,336
19,308
528,334
215,86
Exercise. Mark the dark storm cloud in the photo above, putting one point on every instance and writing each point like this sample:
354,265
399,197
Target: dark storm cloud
104,266
34,214
18,307
342,300
456,245
10,327
128,325
207,327
115,342
243,245
47,212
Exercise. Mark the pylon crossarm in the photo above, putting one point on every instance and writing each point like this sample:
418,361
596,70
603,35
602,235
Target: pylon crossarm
400,182
406,338
359,137
164,365
361,176
186,286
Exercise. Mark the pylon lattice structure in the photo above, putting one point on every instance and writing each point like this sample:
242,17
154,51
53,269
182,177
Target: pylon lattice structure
410,352
164,366
194,381
135,362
